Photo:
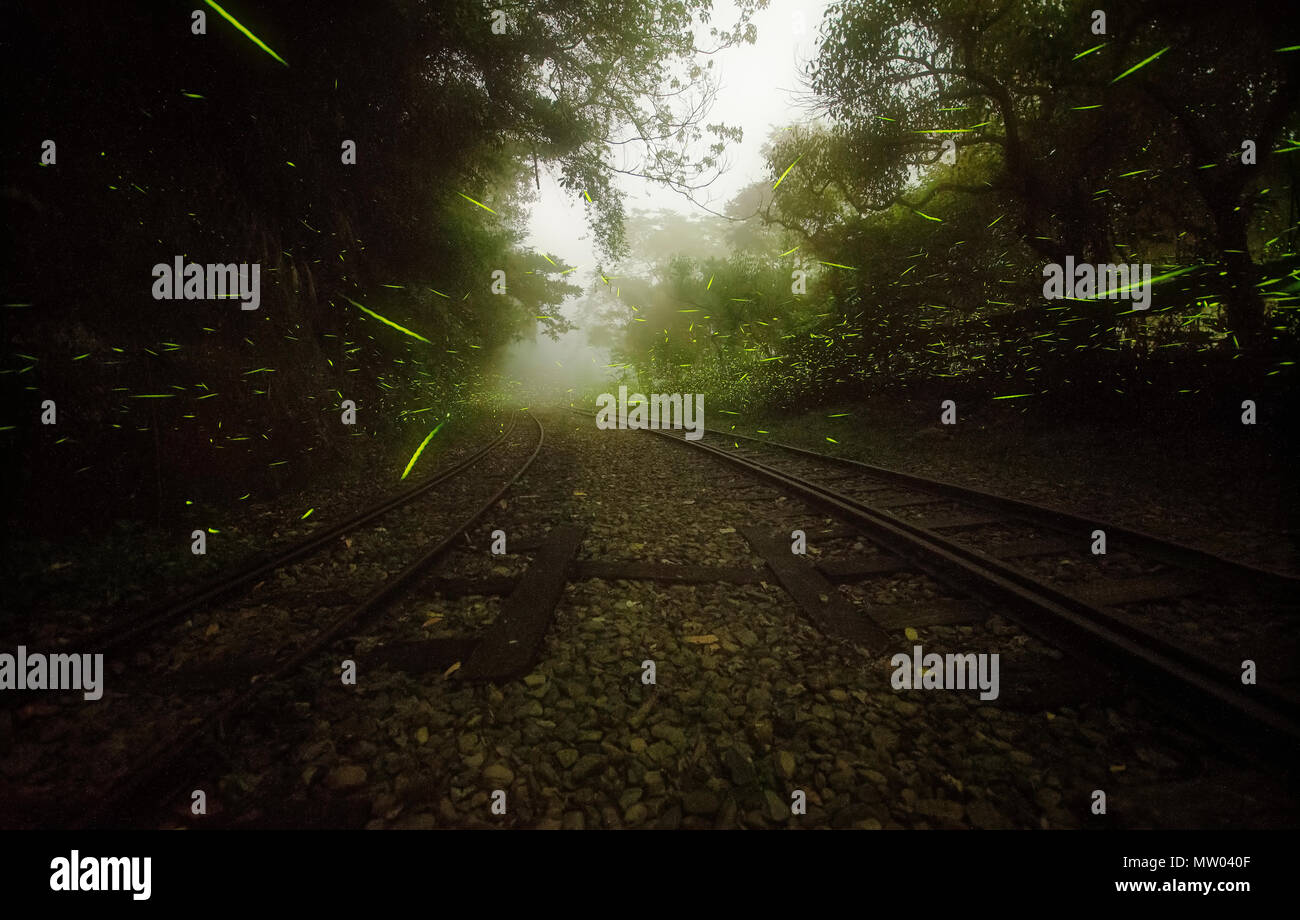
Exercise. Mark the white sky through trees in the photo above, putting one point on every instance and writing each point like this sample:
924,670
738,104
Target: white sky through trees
759,85
759,90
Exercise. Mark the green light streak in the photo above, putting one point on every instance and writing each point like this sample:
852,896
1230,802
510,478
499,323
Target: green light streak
387,322
1128,287
787,171
238,25
479,203
419,450
1141,64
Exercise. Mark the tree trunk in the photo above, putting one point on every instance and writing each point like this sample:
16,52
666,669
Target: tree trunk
1243,307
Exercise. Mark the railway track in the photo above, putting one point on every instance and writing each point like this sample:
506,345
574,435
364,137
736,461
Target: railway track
478,617
699,584
217,688
988,546
127,631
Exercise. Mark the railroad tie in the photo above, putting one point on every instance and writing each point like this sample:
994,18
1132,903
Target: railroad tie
510,646
848,570
1107,592
666,573
818,599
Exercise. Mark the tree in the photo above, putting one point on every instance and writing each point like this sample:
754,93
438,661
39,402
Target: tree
1057,109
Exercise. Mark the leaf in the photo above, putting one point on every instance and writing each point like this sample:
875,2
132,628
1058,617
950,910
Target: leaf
702,640
421,735
211,630
911,634
451,670
433,620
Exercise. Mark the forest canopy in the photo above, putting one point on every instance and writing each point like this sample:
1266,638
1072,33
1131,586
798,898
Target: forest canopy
958,149
379,163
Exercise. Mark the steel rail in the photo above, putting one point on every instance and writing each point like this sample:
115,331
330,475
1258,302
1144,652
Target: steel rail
154,762
226,584
1054,615
1163,550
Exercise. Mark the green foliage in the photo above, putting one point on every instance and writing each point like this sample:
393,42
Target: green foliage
967,144
1088,152
215,149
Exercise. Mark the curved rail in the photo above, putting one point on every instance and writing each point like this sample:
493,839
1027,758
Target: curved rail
1158,548
173,608
151,766
1049,612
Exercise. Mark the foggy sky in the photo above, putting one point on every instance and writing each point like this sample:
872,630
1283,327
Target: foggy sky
759,86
